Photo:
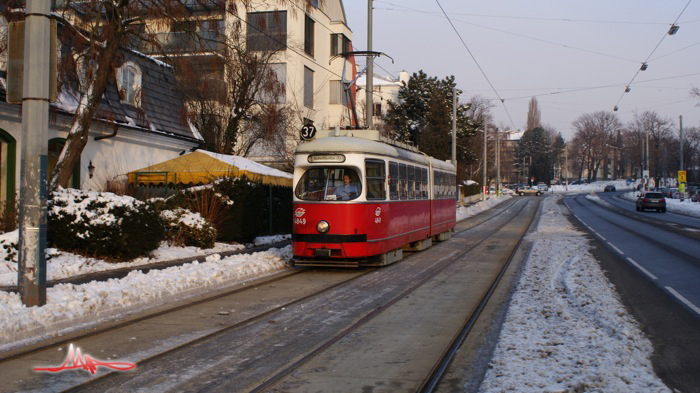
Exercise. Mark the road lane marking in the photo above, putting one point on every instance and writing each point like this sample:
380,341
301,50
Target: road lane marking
616,249
684,300
601,236
645,271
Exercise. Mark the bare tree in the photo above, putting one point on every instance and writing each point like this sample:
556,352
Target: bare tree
659,131
593,132
533,115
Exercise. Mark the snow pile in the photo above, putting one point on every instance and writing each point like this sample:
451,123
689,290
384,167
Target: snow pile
566,330
91,206
464,212
599,186
70,307
185,217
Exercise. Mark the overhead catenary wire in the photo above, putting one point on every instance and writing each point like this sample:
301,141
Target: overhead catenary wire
532,38
644,63
409,9
483,73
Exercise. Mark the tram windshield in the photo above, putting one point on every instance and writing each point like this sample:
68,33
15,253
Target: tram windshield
329,184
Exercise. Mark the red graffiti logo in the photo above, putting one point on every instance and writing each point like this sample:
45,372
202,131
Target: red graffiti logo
75,360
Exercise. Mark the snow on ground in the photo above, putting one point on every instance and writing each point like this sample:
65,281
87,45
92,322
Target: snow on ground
64,264
565,329
481,206
70,307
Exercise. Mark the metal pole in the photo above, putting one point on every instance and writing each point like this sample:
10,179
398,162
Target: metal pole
486,133
647,164
35,125
681,138
498,163
454,127
369,109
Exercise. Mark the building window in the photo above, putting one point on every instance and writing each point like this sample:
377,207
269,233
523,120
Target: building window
267,31
338,96
339,44
273,89
314,3
309,36
377,109
308,87
129,84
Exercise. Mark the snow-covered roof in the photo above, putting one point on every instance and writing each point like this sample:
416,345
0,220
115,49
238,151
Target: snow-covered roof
245,164
378,81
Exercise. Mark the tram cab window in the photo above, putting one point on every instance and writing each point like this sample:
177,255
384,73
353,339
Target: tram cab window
329,184
375,179
393,180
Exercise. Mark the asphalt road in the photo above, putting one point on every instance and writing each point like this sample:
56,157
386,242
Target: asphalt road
653,259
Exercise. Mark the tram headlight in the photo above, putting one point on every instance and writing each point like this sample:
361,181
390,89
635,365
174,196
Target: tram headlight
323,226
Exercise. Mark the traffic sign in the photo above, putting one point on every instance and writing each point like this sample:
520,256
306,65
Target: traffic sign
307,132
681,176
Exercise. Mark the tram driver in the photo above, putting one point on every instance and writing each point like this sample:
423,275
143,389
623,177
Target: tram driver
347,191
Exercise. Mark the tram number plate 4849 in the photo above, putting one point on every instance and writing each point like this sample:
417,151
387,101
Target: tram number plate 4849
300,221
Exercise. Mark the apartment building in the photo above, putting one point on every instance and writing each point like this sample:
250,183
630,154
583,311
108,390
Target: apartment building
307,41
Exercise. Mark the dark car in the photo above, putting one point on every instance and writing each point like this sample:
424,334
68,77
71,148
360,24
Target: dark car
651,200
609,188
577,182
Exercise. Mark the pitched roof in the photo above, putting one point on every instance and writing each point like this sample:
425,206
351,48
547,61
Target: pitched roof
162,109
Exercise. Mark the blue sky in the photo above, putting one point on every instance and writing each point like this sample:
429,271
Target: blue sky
546,48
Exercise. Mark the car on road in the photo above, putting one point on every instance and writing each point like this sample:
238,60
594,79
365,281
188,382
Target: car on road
651,200
577,182
529,191
609,188
542,187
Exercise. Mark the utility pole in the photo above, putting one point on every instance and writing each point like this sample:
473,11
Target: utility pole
680,118
454,127
486,133
498,163
369,110
35,125
646,187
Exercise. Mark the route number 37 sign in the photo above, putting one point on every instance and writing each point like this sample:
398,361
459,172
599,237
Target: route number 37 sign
308,132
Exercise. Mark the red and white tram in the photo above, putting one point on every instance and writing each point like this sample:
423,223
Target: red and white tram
398,199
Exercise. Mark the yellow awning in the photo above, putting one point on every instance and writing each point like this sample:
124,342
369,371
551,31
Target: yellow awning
201,167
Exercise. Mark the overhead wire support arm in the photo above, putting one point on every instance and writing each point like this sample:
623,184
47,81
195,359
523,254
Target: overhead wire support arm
347,85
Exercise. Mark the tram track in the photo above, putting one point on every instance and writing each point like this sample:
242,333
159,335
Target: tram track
441,366
252,320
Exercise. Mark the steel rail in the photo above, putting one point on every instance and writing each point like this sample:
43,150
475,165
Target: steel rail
436,269
433,380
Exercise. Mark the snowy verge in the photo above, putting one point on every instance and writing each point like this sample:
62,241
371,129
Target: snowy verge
72,307
566,329
63,264
464,212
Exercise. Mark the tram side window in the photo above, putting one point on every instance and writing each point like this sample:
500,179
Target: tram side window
393,180
403,181
419,183
454,186
424,179
437,179
375,173
411,182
